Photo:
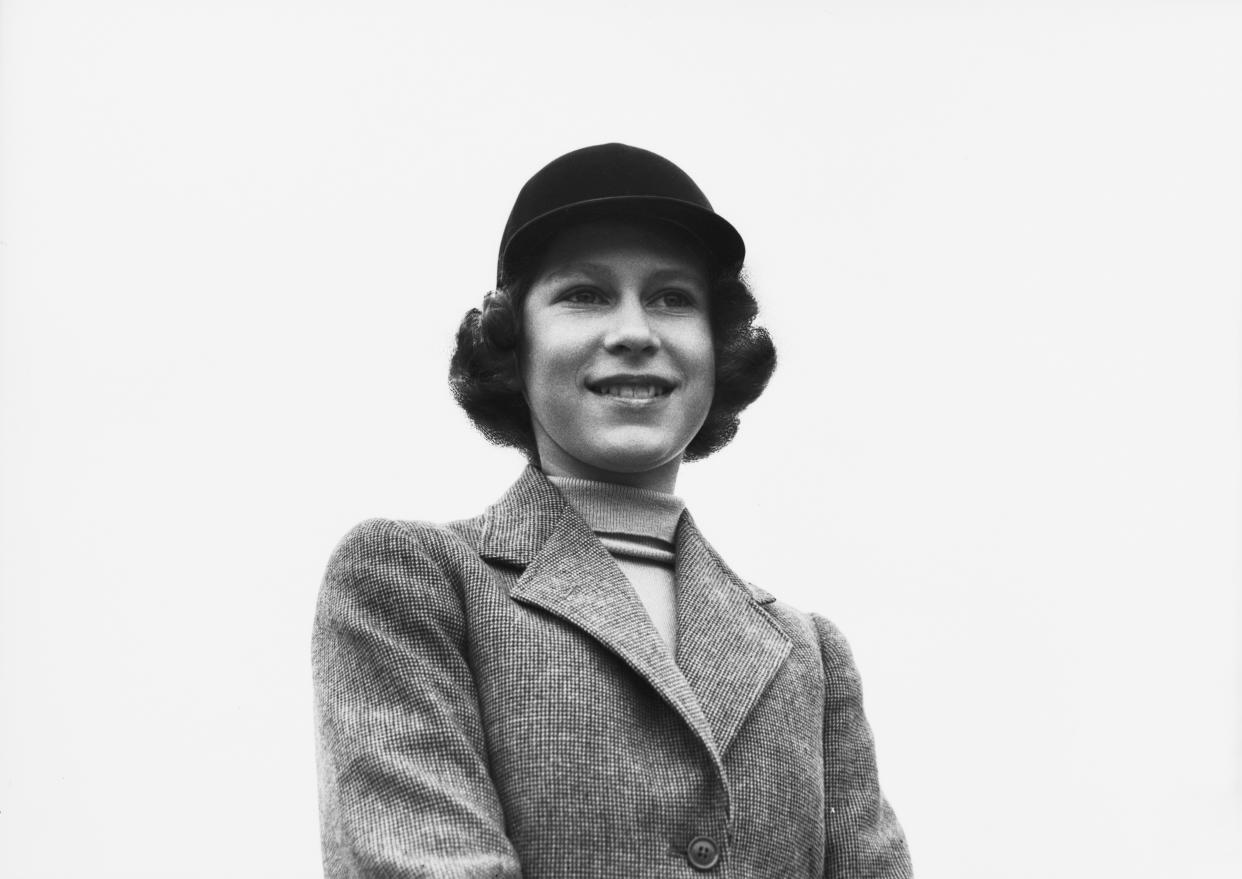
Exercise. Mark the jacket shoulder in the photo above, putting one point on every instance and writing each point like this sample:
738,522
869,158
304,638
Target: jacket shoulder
796,624
832,641
376,540
400,570
813,630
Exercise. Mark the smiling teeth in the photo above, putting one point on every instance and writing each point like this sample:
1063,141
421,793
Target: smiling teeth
635,392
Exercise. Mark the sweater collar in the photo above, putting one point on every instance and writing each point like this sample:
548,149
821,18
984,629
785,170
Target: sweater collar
622,509
517,527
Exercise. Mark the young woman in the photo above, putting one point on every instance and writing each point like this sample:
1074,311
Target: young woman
574,684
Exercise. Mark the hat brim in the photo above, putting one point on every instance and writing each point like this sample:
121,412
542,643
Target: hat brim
714,232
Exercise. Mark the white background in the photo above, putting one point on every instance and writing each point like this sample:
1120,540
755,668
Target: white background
999,247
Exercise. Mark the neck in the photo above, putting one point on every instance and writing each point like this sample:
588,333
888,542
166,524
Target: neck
662,478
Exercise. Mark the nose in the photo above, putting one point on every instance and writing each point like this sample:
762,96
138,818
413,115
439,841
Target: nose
631,330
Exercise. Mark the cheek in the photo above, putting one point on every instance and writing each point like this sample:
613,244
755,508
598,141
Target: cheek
547,373
709,388
703,362
530,353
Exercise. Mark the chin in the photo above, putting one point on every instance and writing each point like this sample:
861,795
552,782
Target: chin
632,457
630,461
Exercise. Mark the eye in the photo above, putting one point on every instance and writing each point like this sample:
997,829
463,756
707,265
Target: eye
674,300
582,296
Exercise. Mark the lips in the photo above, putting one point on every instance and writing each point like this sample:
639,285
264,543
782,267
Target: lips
632,387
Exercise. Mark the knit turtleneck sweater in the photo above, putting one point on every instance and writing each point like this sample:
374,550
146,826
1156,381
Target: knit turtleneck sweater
638,526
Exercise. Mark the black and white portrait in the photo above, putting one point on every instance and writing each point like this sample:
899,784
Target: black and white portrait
951,573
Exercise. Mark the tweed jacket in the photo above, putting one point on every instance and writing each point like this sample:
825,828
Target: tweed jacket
494,701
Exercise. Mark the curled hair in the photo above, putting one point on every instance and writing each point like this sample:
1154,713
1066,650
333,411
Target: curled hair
483,372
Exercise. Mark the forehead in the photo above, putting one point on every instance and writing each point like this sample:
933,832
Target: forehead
652,243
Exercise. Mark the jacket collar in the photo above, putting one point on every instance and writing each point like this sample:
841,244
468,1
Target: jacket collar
728,647
516,527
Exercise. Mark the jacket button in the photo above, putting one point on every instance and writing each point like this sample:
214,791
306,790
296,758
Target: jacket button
702,853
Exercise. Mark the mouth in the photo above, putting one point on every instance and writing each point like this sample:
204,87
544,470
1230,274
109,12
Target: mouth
632,387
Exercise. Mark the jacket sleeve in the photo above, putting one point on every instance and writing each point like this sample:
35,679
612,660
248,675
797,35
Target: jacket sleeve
864,840
404,784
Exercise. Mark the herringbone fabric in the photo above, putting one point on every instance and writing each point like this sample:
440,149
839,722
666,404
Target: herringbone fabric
494,701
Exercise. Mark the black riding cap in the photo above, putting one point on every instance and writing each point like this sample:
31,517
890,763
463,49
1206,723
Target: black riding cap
607,180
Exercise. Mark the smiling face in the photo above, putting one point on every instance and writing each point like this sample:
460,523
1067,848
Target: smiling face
616,358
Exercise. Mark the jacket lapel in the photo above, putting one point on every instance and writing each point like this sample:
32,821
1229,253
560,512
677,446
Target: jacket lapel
728,647
569,573
516,526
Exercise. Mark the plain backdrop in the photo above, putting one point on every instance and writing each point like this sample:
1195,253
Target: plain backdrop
999,246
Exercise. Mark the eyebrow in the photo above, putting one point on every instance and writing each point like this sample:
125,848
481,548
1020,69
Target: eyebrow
579,269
